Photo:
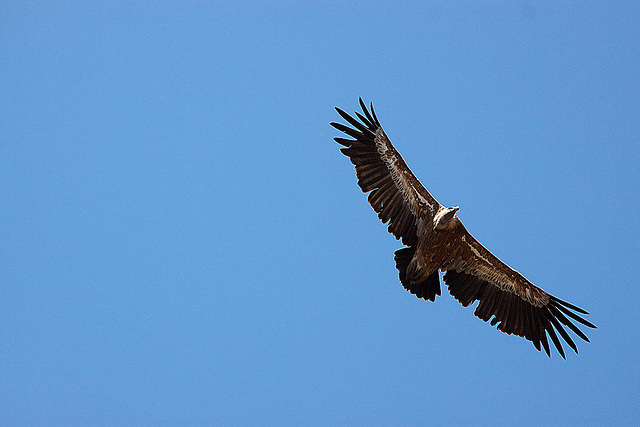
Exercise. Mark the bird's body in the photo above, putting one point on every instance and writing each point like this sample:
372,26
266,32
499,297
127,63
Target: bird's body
437,240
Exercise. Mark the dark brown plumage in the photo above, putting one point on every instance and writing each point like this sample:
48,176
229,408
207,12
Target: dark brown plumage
437,240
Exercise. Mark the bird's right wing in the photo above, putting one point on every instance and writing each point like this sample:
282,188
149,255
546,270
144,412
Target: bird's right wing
506,297
394,192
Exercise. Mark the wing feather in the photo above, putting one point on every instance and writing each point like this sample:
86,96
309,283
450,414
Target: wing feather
394,192
558,314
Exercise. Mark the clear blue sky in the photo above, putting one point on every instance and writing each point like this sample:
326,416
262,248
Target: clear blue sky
181,242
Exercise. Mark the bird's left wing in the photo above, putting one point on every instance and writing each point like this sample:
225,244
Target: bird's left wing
521,308
394,192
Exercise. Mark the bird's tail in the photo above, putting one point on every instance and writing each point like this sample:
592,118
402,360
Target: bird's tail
427,289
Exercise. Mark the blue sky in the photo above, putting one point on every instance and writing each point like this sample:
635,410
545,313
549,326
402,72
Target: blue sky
182,242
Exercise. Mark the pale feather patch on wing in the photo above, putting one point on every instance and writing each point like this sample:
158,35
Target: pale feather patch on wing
475,251
485,269
526,291
390,158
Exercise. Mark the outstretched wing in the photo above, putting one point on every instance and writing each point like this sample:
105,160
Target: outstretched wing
394,192
516,305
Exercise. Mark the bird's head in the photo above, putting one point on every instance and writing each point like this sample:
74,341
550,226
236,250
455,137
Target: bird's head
444,217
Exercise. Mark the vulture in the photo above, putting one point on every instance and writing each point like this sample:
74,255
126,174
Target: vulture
435,239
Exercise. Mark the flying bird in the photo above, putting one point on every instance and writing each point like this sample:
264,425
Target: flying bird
435,239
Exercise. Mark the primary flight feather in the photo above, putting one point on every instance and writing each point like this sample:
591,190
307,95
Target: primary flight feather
437,240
